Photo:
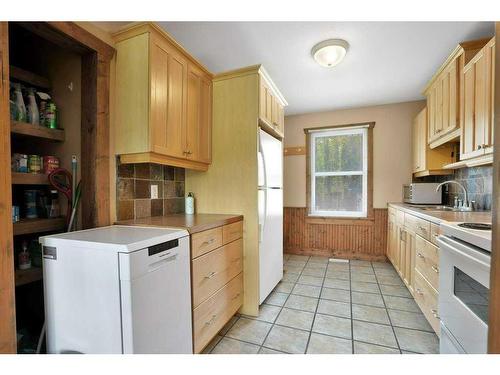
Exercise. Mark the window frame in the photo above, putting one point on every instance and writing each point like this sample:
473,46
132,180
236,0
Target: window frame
367,207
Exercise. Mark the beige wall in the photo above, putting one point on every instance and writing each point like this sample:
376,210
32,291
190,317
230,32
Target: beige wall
391,148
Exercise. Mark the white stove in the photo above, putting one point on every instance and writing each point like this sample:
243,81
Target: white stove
477,237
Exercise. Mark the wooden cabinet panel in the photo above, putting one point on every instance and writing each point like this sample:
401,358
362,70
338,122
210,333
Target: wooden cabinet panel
213,270
271,111
434,233
232,232
427,299
427,261
205,241
419,226
214,313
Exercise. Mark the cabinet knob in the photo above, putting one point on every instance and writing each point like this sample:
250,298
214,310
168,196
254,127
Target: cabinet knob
479,147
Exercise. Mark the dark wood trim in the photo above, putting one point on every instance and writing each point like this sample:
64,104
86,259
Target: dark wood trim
7,301
494,303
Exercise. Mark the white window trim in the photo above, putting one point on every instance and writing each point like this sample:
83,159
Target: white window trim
364,172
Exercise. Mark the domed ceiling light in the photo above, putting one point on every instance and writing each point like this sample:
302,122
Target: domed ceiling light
329,53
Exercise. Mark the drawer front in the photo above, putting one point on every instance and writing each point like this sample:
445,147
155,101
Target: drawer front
427,261
213,270
434,233
232,232
214,313
427,299
419,226
203,242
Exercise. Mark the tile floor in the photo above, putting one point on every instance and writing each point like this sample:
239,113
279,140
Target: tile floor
322,307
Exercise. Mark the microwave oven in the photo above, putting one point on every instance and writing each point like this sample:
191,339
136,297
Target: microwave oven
422,193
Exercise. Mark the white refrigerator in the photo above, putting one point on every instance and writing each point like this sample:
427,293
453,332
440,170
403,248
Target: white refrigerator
270,159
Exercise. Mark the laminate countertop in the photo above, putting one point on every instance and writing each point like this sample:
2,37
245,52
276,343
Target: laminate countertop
438,217
192,223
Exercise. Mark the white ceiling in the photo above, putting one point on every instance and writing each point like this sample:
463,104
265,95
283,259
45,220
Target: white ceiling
387,62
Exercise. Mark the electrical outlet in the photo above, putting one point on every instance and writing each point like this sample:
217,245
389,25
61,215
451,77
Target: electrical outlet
154,191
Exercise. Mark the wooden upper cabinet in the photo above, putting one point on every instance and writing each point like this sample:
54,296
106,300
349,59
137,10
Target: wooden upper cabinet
477,111
271,109
163,101
427,161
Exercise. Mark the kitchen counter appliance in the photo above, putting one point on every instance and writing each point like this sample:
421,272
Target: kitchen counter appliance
118,289
421,193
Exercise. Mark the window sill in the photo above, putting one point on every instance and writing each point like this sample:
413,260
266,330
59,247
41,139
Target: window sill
314,219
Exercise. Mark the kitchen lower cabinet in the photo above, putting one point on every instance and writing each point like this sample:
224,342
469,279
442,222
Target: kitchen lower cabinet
412,251
216,280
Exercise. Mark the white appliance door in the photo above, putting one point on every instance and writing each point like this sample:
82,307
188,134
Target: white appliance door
464,281
271,246
272,152
156,299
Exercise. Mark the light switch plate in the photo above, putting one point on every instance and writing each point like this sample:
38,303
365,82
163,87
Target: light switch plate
154,191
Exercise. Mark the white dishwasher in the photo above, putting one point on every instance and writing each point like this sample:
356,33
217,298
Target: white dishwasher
118,289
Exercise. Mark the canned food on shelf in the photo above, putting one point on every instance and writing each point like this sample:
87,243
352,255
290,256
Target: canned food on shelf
34,163
50,163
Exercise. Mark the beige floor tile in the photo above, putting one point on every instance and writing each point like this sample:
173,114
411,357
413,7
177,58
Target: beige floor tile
334,308
302,303
249,330
310,280
360,263
287,340
294,263
370,314
336,294
231,346
374,333
267,313
369,299
307,290
386,272
300,258
398,291
340,275
401,303
318,272
407,319
390,280
322,344
385,265
363,277
316,266
290,277
332,325
364,348
318,259
269,351
295,319
337,284
364,270
228,325
284,287
360,286
276,298
417,341
339,267
292,269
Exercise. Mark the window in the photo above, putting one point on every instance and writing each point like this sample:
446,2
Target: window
339,171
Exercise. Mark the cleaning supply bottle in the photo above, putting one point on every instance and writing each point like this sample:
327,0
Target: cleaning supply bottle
24,257
33,115
190,204
20,107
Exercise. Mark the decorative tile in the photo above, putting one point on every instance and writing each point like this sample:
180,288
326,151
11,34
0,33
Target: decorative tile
335,308
231,346
168,173
156,207
156,172
364,348
336,294
142,170
179,189
249,330
173,206
417,341
374,333
407,319
125,170
125,210
142,189
142,208
302,303
367,299
370,314
322,344
179,174
295,319
310,280
401,303
287,340
169,189
337,284
125,189
307,290
332,325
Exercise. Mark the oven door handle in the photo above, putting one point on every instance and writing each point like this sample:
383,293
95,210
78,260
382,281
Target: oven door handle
464,250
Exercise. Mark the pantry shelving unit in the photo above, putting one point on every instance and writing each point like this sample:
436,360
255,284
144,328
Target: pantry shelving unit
30,226
36,131
28,276
29,179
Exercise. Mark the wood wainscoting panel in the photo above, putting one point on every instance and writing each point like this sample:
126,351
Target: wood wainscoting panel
346,239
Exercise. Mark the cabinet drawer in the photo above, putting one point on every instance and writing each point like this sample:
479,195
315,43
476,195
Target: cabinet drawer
214,313
213,270
434,233
427,299
419,226
427,261
206,241
232,232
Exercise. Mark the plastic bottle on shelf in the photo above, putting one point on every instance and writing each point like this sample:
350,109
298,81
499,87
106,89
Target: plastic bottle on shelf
33,116
24,257
20,107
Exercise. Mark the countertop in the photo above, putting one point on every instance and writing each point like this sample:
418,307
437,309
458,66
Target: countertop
192,223
438,217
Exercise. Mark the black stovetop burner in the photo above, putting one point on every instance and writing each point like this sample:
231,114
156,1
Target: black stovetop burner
477,226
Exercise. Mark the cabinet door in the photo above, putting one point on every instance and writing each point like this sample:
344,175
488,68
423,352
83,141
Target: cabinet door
168,97
450,97
199,116
410,240
489,52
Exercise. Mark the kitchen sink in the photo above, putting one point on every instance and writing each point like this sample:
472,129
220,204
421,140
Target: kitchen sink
440,208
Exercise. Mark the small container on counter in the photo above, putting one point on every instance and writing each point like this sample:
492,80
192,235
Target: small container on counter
190,204
34,164
50,163
30,199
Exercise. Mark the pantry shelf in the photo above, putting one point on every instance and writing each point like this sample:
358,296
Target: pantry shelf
28,77
36,131
27,226
28,276
29,179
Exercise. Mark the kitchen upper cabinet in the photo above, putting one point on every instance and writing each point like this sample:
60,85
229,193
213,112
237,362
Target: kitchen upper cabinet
271,109
427,161
163,101
477,111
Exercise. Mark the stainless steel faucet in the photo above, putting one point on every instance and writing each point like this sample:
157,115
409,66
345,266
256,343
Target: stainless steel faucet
464,205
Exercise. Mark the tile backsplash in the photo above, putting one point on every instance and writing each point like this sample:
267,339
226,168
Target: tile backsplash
478,181
133,190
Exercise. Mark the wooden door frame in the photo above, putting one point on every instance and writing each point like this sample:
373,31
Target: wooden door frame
494,303
95,133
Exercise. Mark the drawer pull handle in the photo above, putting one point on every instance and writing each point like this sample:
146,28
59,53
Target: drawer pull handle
208,242
435,269
210,275
420,255
236,296
211,321
419,291
435,314
422,228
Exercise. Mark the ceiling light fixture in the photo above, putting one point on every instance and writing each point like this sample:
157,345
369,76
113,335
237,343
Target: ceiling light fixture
329,53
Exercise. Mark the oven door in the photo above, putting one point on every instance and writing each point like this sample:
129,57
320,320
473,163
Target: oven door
464,281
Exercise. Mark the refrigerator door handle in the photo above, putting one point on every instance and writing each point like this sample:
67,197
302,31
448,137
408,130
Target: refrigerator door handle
262,159
262,221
